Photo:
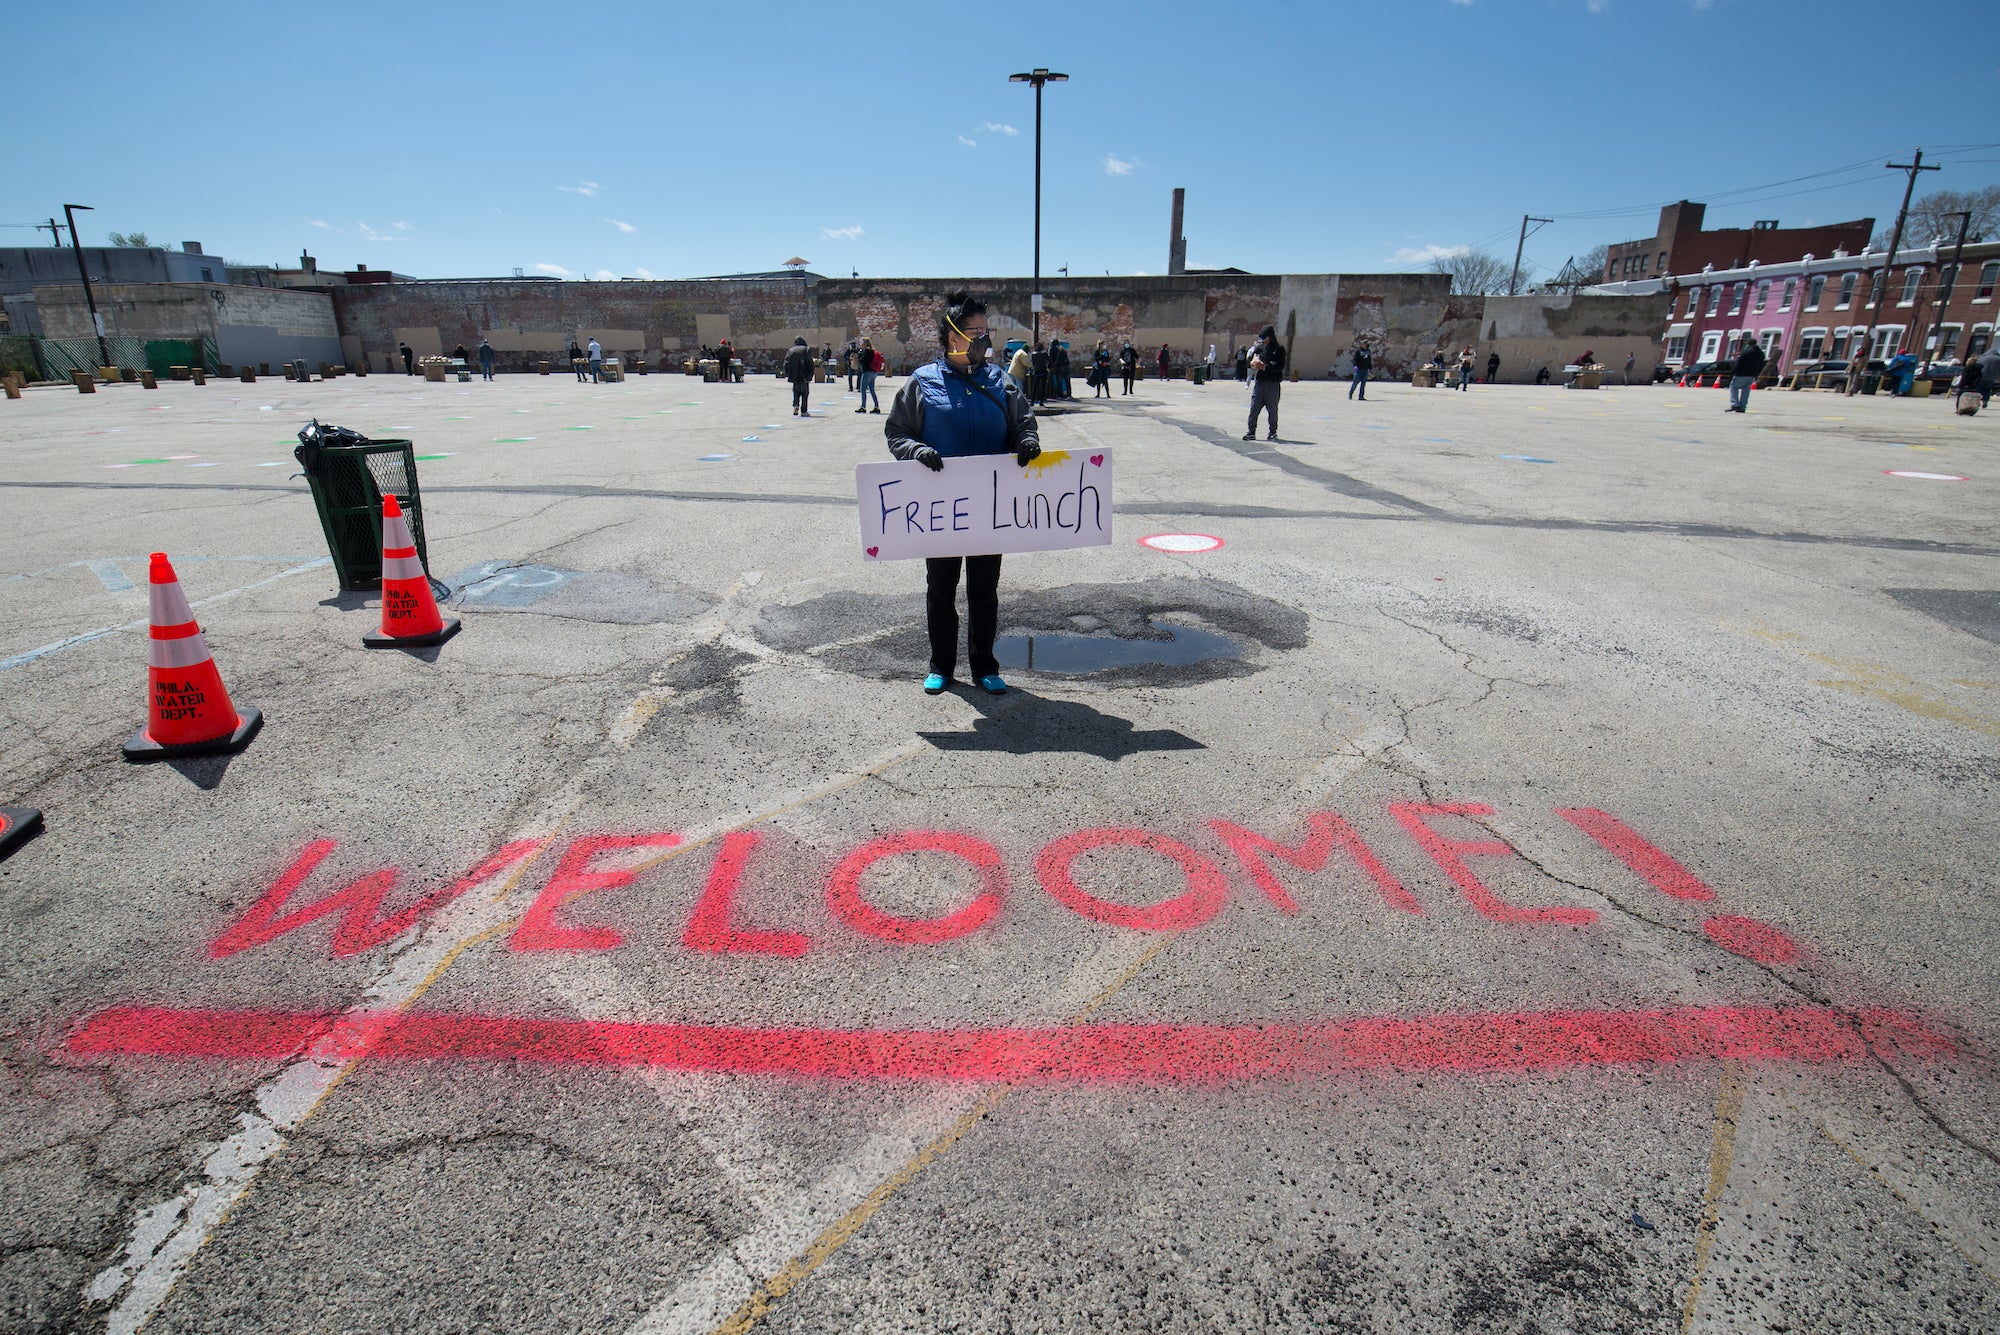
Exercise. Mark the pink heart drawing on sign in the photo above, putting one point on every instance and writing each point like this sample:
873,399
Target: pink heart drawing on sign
873,550
1097,459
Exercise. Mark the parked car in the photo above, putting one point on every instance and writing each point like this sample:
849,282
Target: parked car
1704,373
1831,372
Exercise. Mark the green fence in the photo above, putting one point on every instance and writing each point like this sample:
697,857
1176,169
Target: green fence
59,356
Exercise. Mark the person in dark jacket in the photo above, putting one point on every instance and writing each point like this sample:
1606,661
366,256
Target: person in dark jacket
485,360
1364,362
1038,375
1100,371
576,362
961,405
1243,363
1749,365
409,358
1128,365
1267,364
1493,369
1059,369
1166,360
799,370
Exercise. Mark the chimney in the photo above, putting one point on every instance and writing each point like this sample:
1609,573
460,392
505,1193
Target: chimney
308,263
1176,243
191,247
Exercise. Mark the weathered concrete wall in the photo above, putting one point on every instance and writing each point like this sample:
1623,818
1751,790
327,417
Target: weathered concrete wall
1406,315
1554,329
248,324
527,322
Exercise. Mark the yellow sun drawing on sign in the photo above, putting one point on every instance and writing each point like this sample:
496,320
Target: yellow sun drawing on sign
1046,460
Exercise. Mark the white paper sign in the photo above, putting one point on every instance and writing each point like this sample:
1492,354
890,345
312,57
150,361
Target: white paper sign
984,503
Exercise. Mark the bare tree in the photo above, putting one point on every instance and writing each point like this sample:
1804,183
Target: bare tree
1475,273
1936,215
130,240
1592,261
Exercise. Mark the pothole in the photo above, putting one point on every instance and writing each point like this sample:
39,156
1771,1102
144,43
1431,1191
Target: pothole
1167,631
1075,655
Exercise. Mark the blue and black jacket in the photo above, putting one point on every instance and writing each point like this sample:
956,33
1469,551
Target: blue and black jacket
959,413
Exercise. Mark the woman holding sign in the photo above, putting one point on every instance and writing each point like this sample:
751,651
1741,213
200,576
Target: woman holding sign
961,405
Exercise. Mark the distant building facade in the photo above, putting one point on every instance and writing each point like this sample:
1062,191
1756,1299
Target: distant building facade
1680,246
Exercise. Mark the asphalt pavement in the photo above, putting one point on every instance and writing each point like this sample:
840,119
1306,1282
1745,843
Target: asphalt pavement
1513,860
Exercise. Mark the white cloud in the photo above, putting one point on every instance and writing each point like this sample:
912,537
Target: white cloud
1703,4
995,127
625,227
402,226
584,188
605,276
1117,166
374,235
323,225
969,143
842,233
554,271
1425,254
1597,6
1467,3
644,273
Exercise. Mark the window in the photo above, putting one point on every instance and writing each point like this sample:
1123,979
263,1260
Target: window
1846,297
1838,351
1875,287
1677,349
1945,342
1791,290
1982,338
1814,291
1711,342
1769,343
208,275
1913,279
1888,338
1736,297
1714,298
1989,275
1812,344
1763,295
1660,265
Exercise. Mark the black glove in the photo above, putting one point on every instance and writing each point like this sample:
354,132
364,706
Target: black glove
929,458
1028,453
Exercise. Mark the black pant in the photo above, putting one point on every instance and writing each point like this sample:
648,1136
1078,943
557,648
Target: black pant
982,608
1264,398
800,388
1130,376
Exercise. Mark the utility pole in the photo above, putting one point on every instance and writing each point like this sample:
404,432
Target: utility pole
54,229
97,324
1858,363
1514,279
1944,297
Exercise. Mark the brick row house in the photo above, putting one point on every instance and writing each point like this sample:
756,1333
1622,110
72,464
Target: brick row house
1811,309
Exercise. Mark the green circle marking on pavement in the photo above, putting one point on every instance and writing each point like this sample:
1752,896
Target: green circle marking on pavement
446,455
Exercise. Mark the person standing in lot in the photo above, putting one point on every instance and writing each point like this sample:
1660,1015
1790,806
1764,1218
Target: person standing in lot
485,360
956,406
1166,360
799,370
1038,375
1465,369
1267,366
1749,365
1059,369
1100,371
869,363
1364,362
1630,358
1128,364
409,358
595,353
1989,373
576,359
1020,368
1493,369
725,358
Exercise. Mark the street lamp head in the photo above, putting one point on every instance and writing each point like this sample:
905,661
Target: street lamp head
1038,77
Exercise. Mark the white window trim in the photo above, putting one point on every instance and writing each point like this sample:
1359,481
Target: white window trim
1763,296
1815,300
1788,292
1910,290
1711,343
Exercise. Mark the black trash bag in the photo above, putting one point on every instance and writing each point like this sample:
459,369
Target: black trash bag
312,436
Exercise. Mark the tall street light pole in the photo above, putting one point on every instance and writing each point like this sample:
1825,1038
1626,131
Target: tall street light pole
1880,293
1038,77
96,325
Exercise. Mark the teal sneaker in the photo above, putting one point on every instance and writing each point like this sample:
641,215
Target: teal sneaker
935,683
992,685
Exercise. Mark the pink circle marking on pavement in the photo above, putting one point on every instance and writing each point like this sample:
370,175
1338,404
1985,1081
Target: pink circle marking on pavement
1182,543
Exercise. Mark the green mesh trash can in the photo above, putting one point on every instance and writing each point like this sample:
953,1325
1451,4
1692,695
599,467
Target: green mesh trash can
348,482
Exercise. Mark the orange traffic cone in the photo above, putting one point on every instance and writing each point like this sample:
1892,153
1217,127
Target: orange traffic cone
17,825
410,616
191,714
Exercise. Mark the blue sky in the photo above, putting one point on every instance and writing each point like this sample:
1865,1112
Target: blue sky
643,139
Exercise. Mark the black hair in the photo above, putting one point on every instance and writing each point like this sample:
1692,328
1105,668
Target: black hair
958,308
